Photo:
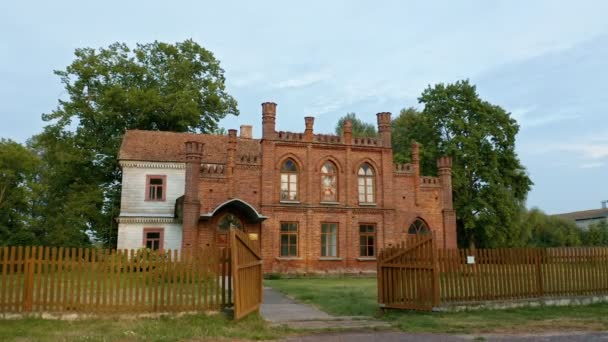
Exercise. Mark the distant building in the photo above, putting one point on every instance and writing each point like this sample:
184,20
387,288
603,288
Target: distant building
587,217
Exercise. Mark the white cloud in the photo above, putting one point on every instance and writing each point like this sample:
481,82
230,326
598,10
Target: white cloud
586,150
528,117
247,79
304,80
592,165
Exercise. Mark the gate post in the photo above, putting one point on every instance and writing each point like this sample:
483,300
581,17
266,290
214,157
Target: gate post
435,261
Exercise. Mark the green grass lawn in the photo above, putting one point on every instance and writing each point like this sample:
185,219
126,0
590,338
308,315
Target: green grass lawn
197,327
357,296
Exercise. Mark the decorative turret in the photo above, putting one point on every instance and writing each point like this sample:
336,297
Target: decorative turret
231,162
348,132
192,205
384,128
444,166
308,133
416,165
269,114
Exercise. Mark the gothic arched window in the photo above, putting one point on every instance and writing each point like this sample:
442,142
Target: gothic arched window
366,184
418,227
329,183
229,221
289,181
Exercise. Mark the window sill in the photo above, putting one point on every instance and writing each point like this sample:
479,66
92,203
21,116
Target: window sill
155,200
329,203
288,258
366,259
330,259
367,204
289,202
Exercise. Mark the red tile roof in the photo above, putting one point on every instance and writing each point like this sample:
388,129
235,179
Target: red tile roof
162,146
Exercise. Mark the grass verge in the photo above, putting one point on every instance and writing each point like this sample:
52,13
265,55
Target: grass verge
198,327
357,296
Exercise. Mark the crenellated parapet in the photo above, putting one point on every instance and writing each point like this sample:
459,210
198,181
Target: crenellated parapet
404,169
366,141
290,136
327,139
248,158
427,181
213,170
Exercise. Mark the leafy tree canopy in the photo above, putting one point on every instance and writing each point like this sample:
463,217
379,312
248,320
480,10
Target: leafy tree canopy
157,86
360,128
596,234
490,184
18,170
542,230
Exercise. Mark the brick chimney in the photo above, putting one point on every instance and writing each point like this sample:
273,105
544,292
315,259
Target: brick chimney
246,132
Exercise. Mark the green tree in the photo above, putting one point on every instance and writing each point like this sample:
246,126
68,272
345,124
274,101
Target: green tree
360,128
548,231
490,184
19,168
157,86
596,234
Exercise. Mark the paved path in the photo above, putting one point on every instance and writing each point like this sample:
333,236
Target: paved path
279,309
393,336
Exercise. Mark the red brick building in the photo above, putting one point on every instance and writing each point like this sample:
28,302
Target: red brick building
314,202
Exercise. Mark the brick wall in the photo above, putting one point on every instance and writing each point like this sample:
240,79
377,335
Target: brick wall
259,185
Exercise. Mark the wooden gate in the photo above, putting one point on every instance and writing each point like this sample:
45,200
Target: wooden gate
246,274
408,274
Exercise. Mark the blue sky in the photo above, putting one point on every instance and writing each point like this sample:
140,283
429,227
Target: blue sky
546,62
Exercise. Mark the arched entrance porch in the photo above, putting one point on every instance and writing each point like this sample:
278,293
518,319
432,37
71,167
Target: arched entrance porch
234,213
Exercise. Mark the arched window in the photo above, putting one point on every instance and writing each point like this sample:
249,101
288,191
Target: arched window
418,227
229,221
329,183
366,184
289,181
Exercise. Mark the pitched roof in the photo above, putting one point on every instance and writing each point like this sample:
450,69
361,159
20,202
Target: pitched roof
584,215
162,146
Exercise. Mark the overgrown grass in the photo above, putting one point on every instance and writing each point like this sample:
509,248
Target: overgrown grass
197,327
357,296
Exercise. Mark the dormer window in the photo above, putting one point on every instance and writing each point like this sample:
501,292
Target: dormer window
156,186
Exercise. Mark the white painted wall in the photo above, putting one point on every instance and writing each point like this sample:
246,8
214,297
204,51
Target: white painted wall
134,190
130,235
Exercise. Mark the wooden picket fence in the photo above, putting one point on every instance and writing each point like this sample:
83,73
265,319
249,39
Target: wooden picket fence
416,275
520,273
44,279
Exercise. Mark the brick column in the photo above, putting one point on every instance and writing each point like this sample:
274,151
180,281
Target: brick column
192,205
384,128
308,133
416,165
444,166
231,163
269,114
